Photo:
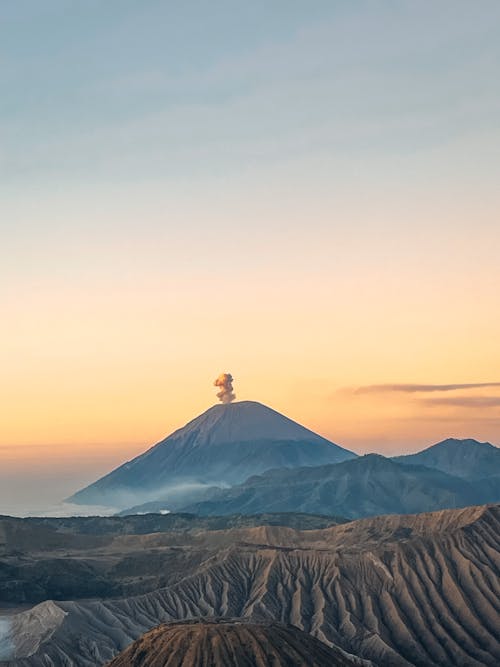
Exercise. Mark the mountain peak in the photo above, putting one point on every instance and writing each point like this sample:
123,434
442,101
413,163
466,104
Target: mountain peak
467,458
461,442
243,421
224,445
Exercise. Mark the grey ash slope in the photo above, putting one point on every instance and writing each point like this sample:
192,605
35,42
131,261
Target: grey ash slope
416,590
467,458
366,486
224,445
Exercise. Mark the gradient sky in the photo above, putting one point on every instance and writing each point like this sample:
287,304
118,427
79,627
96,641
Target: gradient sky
303,194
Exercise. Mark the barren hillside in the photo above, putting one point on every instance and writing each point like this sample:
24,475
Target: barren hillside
235,642
420,590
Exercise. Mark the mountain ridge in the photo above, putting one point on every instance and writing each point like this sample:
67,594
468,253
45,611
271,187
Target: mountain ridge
223,445
365,486
467,458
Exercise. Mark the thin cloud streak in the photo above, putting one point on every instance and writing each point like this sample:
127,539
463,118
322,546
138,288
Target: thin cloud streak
463,401
423,388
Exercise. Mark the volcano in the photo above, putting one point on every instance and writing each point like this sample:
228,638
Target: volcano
236,642
223,446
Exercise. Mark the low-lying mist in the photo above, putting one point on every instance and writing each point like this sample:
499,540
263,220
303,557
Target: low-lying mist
6,644
171,496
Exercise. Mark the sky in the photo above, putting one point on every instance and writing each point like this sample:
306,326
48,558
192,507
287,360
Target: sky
302,194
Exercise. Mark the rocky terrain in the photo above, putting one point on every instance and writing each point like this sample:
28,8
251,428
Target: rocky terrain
365,486
82,557
413,590
235,642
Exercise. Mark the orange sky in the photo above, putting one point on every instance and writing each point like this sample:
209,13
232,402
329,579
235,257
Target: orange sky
115,344
126,362
310,212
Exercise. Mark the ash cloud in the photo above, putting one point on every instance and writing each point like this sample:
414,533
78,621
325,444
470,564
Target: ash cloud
421,388
225,384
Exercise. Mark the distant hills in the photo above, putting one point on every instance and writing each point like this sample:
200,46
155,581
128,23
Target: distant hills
366,486
246,458
223,446
468,458
363,486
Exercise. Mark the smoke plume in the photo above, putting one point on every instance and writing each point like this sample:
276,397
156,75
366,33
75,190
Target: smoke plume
225,382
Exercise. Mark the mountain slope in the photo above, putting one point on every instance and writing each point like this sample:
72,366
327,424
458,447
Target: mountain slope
469,459
224,445
235,642
366,486
415,590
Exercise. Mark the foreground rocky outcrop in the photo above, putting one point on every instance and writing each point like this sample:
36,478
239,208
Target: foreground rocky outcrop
413,590
235,642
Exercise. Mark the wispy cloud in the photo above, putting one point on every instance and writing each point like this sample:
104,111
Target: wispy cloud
421,388
463,401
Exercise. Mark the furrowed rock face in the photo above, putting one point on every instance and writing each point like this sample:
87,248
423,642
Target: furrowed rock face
402,591
235,642
224,445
